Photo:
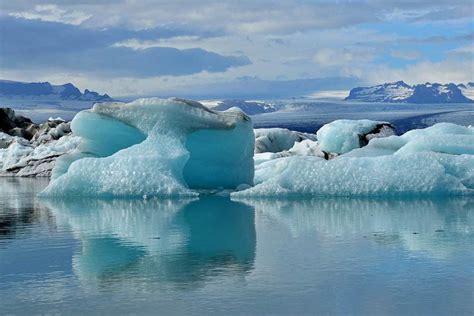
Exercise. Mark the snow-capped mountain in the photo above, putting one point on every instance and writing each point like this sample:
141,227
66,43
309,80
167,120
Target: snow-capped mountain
467,89
249,107
400,92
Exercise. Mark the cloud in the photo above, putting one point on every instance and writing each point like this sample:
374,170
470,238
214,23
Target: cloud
465,51
452,13
242,17
53,13
198,86
176,42
158,45
48,46
452,70
407,55
329,57
256,88
330,94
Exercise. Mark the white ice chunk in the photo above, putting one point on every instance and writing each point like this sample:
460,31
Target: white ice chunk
438,160
15,149
342,136
306,147
22,158
278,139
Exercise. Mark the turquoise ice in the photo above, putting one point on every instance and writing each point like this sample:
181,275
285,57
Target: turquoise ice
175,147
155,147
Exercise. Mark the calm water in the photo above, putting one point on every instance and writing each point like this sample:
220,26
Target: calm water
213,255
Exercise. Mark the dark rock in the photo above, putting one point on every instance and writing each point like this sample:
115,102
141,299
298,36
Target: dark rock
380,130
7,119
20,132
14,125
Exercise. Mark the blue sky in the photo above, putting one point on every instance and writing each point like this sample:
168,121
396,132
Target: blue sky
241,48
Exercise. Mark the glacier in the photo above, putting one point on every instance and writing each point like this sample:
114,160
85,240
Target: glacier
400,92
176,147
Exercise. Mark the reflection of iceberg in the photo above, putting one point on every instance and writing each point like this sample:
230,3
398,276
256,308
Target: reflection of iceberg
436,227
18,207
169,241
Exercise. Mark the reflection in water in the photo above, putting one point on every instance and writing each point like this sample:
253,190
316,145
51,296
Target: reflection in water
434,226
170,241
18,211
319,256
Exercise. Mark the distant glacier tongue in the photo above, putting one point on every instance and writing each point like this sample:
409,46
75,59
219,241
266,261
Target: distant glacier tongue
155,147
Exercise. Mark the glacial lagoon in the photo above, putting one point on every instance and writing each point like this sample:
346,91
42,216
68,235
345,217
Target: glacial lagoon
216,255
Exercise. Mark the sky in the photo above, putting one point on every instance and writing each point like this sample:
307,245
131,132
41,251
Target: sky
242,48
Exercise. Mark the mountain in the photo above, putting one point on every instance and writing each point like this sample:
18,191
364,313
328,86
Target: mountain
467,89
249,107
400,92
45,91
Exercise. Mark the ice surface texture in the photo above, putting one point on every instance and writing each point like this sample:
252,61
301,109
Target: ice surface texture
342,136
438,160
155,147
20,157
175,147
278,139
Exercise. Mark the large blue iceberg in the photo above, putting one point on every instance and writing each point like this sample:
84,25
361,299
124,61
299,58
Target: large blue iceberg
175,147
155,147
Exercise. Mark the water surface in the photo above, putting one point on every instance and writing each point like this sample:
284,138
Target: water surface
214,255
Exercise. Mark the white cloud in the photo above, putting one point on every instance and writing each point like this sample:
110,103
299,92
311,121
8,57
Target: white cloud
406,55
330,94
464,50
452,70
328,57
53,13
285,39
179,42
239,17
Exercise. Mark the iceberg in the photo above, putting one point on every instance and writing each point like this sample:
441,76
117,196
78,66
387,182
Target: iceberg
278,139
22,158
438,160
342,136
155,147
30,150
175,147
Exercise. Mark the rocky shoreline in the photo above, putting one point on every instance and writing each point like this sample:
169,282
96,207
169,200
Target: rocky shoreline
30,150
